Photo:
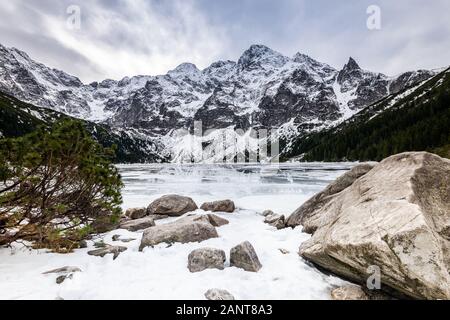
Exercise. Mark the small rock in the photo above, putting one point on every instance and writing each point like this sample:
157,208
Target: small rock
127,240
284,251
268,213
104,224
276,221
83,244
100,244
138,224
244,256
217,221
61,279
64,270
136,213
116,237
172,205
218,295
115,250
206,258
350,292
219,206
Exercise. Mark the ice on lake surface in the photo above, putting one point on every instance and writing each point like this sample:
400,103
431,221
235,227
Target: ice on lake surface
282,188
161,272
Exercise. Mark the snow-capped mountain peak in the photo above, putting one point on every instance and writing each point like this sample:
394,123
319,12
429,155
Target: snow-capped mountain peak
263,89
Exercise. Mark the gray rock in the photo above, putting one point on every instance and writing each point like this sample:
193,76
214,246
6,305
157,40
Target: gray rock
322,198
267,213
206,258
64,270
350,292
395,218
172,205
218,295
276,221
219,206
217,221
63,278
138,224
284,251
116,237
83,244
182,232
136,213
244,256
114,250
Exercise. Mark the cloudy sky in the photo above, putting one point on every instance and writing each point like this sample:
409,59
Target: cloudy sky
120,38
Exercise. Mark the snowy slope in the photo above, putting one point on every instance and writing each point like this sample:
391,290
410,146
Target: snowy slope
263,89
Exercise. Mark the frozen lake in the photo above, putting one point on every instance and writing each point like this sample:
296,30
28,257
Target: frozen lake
281,188
161,272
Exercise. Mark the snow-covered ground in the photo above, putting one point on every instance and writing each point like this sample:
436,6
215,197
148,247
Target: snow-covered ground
161,272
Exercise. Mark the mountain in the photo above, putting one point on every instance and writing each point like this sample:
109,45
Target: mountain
263,89
415,119
18,118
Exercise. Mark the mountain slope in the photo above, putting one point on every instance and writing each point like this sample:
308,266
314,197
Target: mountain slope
263,89
416,119
18,118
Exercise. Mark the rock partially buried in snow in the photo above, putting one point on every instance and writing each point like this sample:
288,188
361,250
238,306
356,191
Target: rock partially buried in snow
350,292
276,221
218,295
206,258
267,213
219,206
138,224
244,257
217,221
64,270
114,250
172,205
136,213
63,278
182,232
396,217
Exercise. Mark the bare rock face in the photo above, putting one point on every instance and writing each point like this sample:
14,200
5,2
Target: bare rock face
114,250
322,198
172,206
276,221
349,293
206,258
185,230
219,206
395,217
138,224
218,295
244,256
136,213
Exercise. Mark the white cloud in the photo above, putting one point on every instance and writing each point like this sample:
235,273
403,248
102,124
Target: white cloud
135,37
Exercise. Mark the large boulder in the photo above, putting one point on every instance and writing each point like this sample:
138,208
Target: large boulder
172,206
184,231
244,257
322,198
138,224
395,219
206,258
219,206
